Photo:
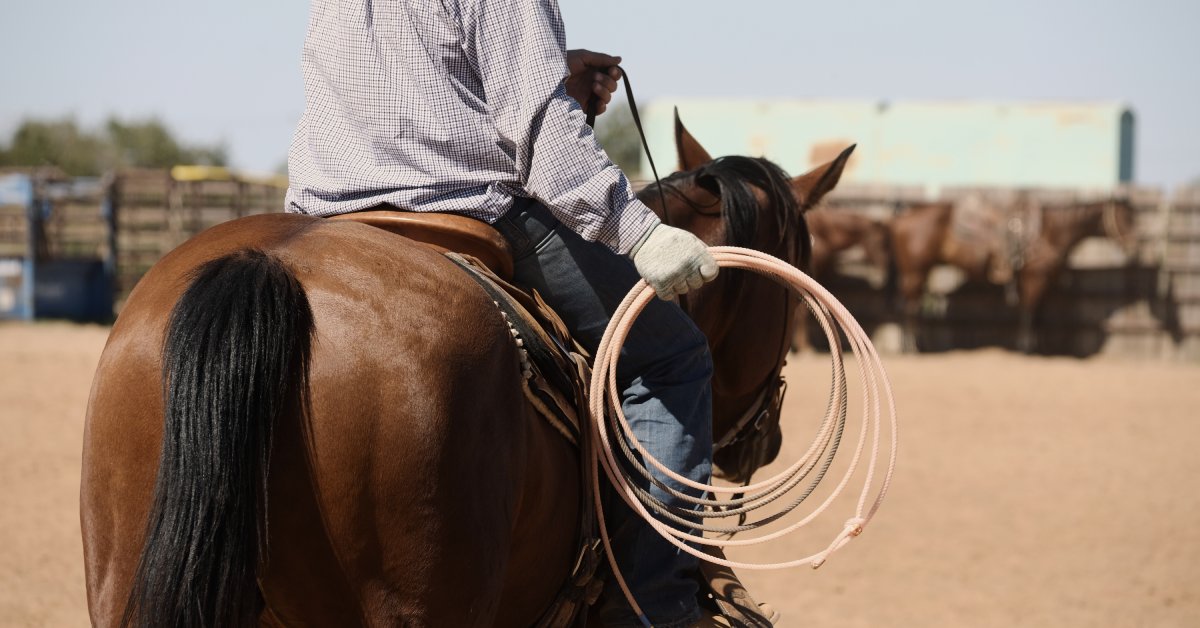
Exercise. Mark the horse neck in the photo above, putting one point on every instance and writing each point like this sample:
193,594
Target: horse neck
745,319
1068,226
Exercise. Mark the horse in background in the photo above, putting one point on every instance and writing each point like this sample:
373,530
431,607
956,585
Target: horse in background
835,231
361,389
1028,261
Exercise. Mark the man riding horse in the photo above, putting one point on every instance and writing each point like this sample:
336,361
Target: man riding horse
475,107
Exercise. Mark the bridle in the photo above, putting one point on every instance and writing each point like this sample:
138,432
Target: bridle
764,411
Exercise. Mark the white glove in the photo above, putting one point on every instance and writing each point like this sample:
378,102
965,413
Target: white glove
673,261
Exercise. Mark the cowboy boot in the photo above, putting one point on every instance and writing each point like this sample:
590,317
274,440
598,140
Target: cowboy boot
735,608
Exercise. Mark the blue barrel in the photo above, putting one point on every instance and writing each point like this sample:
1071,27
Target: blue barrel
77,290
38,283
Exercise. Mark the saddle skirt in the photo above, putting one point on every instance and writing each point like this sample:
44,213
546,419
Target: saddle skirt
554,366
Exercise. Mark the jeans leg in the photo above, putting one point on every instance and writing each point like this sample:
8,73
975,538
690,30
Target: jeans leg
664,374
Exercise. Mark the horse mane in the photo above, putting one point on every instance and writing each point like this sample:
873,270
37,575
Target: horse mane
735,179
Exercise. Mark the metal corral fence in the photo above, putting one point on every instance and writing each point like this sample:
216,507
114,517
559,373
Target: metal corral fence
1103,302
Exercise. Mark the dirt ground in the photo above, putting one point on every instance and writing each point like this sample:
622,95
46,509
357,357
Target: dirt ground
1029,492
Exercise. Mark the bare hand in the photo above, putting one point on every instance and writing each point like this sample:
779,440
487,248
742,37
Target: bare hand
592,73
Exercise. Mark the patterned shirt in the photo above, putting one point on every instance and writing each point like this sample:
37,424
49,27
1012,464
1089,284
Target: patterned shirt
451,106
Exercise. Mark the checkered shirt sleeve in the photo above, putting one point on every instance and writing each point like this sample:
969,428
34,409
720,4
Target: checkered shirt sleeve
453,106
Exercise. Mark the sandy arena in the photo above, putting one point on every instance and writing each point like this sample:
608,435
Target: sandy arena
1029,492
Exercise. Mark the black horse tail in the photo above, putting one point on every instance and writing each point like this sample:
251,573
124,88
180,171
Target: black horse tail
236,356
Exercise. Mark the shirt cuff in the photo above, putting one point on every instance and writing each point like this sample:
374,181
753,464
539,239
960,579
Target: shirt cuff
629,224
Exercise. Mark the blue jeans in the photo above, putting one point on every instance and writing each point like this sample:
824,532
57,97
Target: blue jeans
664,373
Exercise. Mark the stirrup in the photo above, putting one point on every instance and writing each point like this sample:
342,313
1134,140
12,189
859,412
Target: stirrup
713,619
720,587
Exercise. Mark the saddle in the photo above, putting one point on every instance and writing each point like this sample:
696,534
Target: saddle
444,232
1001,232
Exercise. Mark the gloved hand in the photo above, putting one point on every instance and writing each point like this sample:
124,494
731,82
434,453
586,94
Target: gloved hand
673,261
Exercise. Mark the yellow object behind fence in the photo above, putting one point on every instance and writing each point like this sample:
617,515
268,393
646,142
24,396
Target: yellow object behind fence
221,173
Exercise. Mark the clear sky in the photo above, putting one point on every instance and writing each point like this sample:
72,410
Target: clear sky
226,70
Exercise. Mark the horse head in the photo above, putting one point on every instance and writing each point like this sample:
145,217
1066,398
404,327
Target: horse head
748,202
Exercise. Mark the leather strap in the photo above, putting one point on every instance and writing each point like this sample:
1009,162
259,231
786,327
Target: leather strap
590,111
594,102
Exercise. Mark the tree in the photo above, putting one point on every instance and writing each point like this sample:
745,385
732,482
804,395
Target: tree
618,135
142,144
150,145
55,143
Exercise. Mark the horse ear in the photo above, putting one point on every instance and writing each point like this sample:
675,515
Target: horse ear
813,185
691,154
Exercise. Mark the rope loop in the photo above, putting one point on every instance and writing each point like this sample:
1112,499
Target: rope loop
611,434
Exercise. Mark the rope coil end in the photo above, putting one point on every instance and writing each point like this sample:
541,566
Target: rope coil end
853,528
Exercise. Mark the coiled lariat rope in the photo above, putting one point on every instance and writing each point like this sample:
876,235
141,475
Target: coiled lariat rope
877,393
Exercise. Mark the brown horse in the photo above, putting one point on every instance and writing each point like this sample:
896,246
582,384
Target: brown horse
302,421
836,231
924,236
832,231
